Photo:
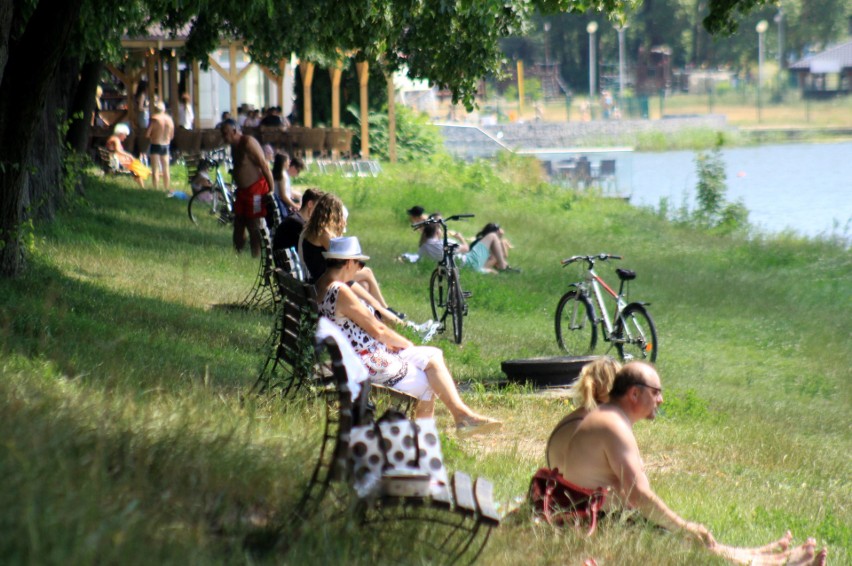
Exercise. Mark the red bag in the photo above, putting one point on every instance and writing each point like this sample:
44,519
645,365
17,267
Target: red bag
560,502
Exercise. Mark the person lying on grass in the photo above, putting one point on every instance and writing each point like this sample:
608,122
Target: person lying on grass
601,459
390,358
486,254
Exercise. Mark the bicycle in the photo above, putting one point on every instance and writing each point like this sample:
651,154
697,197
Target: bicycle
214,203
445,292
633,334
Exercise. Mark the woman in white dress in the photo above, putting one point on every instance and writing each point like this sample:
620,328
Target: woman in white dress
390,358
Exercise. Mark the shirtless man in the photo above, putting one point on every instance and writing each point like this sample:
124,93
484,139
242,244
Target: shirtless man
603,453
161,131
253,179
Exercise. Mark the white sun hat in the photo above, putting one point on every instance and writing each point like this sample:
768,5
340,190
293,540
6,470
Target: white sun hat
345,248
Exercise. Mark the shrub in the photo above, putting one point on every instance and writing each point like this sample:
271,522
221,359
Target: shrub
416,137
713,210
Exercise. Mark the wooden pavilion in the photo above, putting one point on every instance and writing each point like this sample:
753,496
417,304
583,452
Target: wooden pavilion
156,58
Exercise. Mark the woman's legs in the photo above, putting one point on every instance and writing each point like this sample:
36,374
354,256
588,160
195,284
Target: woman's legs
445,389
496,252
367,279
425,409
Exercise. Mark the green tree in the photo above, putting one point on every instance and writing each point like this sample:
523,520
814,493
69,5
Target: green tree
714,211
44,45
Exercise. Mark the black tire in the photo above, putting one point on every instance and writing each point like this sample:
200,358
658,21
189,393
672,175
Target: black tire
457,307
206,208
635,335
438,295
576,332
557,371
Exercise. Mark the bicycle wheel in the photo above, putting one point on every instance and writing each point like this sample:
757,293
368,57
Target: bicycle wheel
575,324
635,335
206,207
438,295
456,306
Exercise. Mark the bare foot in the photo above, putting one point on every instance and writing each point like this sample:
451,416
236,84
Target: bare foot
468,426
802,555
764,556
779,545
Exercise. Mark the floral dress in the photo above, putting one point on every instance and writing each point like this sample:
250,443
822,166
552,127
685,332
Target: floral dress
383,366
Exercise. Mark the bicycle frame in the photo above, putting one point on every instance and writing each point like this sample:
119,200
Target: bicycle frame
445,280
223,191
630,329
596,282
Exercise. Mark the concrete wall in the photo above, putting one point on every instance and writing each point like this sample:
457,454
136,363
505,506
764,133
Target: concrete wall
472,142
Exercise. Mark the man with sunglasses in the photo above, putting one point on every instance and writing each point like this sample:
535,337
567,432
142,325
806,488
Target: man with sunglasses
603,452
602,460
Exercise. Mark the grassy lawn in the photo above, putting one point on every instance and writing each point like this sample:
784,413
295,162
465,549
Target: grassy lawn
129,435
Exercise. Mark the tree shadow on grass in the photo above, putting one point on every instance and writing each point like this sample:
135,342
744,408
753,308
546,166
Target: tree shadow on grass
110,484
114,339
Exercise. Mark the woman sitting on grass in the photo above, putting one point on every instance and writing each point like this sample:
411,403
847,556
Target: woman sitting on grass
591,388
487,252
391,359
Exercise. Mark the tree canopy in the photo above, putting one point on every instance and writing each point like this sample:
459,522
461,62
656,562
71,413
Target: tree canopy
797,28
46,46
452,43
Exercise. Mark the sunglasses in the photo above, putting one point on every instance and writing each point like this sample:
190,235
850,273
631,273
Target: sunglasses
657,390
360,263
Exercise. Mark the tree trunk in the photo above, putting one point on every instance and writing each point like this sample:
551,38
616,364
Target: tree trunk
32,62
7,9
47,181
82,107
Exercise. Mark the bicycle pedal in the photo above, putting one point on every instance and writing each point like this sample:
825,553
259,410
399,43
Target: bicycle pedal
467,294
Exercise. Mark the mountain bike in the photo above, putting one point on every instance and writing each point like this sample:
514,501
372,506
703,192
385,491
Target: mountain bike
213,204
581,310
445,292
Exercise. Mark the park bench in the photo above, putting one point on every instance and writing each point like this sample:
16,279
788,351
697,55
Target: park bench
109,163
264,294
450,524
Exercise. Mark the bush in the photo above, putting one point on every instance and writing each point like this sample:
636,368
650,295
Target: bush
713,210
416,137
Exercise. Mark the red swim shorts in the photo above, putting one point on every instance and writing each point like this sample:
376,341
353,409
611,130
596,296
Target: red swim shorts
249,201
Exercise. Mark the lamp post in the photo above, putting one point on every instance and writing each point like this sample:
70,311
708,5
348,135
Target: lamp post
592,28
779,19
620,29
761,27
546,45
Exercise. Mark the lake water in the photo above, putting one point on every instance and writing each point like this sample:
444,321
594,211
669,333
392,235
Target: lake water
803,187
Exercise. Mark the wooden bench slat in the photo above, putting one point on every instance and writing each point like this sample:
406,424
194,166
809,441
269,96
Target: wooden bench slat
463,492
398,398
484,492
442,496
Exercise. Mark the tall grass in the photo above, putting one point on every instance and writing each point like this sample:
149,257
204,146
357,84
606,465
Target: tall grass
129,435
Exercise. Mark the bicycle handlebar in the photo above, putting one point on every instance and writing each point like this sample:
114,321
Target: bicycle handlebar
589,258
441,221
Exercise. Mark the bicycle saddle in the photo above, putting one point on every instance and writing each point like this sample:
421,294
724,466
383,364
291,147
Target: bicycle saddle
626,274
453,245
